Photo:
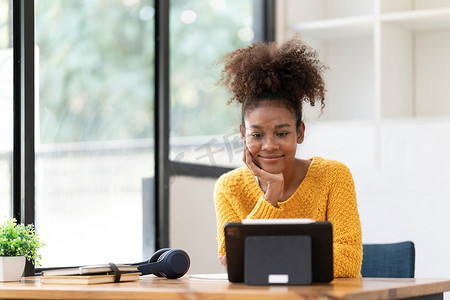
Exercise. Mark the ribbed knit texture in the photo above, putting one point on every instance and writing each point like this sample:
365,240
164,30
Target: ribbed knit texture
327,193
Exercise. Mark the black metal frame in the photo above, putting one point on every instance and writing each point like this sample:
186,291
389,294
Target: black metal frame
23,169
264,20
23,149
196,170
162,122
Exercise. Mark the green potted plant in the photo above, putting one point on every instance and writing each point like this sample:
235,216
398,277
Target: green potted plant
18,242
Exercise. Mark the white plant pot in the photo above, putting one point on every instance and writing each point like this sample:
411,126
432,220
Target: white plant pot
11,267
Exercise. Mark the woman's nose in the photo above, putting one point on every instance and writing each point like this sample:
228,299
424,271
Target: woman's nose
269,144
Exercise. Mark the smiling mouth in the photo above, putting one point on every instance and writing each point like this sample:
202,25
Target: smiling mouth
271,159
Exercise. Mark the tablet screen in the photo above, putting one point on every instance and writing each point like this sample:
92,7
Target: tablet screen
321,234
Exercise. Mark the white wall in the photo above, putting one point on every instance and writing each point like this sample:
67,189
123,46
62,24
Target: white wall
402,178
193,222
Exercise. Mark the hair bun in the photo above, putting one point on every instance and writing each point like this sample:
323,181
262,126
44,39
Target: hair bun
292,69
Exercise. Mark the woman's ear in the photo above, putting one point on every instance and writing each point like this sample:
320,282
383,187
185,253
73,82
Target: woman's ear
242,131
301,133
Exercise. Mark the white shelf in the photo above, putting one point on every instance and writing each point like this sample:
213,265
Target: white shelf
328,29
387,58
388,6
419,20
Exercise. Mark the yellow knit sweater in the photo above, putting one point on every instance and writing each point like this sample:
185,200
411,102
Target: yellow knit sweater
327,193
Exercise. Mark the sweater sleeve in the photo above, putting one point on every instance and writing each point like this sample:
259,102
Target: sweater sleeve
224,212
232,205
342,212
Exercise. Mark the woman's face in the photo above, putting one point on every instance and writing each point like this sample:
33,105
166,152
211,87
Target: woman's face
271,136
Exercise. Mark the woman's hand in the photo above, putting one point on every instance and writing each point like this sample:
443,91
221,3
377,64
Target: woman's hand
223,261
274,182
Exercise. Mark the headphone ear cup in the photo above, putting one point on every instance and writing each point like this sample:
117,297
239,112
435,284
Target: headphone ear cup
175,263
156,258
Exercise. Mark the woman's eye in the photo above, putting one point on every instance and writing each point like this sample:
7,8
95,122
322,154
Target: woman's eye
257,135
282,134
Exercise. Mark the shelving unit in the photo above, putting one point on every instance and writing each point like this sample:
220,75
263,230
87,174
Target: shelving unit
387,59
387,113
337,28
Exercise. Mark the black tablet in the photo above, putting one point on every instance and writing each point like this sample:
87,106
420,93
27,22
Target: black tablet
321,234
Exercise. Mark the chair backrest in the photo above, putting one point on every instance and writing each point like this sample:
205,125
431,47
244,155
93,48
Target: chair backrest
388,260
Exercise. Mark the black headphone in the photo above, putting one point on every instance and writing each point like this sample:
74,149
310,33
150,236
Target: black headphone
166,262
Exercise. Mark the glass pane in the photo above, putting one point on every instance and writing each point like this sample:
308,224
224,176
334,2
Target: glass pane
204,130
95,120
6,106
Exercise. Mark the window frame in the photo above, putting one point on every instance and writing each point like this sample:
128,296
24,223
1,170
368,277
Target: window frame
264,29
23,167
23,172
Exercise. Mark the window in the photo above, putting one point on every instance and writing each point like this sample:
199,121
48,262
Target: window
6,106
201,33
95,112
94,144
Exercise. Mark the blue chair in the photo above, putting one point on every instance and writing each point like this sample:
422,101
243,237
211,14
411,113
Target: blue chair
389,260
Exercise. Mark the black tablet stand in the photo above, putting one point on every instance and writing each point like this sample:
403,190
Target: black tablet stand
278,259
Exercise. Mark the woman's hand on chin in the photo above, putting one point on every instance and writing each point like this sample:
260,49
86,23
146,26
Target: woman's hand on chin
274,182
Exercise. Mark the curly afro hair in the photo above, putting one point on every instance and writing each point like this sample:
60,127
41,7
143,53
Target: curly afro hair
290,74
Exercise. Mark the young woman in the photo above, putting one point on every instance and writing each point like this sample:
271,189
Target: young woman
271,83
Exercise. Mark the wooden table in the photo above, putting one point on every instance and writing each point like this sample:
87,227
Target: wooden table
151,287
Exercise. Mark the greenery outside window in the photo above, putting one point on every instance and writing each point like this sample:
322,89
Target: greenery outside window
94,146
203,129
6,106
94,113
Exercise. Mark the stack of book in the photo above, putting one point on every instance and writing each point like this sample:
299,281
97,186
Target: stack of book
90,275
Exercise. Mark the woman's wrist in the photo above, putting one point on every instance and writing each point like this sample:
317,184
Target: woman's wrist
273,193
